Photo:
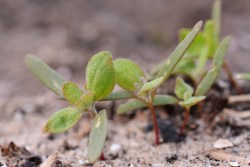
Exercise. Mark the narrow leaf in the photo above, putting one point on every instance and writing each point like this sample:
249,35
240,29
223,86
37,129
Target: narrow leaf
245,76
216,16
178,53
182,89
45,74
62,120
100,75
136,104
151,85
210,77
192,101
72,92
129,75
85,101
97,136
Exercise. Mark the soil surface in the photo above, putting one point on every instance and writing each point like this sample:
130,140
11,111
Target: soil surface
66,34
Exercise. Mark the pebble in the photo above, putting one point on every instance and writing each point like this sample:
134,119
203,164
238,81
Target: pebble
157,165
234,163
222,143
115,148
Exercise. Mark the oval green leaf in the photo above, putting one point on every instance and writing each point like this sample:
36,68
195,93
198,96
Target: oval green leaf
119,95
192,101
128,74
72,92
100,75
182,89
45,74
85,101
152,85
97,136
136,104
62,120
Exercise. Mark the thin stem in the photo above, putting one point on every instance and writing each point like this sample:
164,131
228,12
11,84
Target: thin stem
155,123
185,121
102,157
231,78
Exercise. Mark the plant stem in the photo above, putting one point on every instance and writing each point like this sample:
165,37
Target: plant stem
155,123
185,121
102,157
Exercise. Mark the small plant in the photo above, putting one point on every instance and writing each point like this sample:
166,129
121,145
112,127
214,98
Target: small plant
100,81
102,73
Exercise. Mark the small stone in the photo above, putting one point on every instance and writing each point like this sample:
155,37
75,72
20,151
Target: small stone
115,148
234,163
131,165
157,165
222,143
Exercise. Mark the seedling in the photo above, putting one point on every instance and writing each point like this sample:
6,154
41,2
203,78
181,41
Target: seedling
100,81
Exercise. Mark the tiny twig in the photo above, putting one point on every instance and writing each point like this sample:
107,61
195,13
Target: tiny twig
237,114
238,98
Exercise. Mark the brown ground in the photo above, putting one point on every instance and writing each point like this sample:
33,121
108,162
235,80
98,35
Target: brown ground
66,34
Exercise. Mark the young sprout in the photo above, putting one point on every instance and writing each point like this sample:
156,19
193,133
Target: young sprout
130,77
100,81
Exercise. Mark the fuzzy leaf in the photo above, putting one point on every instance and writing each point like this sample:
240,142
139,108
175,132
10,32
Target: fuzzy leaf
212,41
85,101
72,92
136,104
62,120
178,53
100,75
192,101
97,136
216,16
151,85
119,95
212,74
128,74
182,89
45,74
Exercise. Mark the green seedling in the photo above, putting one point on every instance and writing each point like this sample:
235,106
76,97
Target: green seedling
100,81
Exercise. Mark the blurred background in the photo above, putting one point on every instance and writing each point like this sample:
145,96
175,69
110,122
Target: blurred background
66,34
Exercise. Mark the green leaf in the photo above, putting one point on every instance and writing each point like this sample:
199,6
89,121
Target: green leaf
245,76
197,44
85,101
178,53
216,16
192,101
97,136
119,95
45,74
151,85
182,89
72,92
136,104
210,77
129,75
185,66
62,120
212,40
100,75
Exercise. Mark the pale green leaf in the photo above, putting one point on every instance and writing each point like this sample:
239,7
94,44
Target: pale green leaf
45,74
192,101
210,77
100,75
129,75
178,53
136,104
216,16
182,89
97,136
85,101
62,120
72,92
152,85
245,76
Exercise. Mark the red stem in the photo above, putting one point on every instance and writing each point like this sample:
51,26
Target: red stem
102,157
155,123
185,121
